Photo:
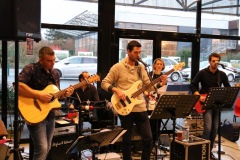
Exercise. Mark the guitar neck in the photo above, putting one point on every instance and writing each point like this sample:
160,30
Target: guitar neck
137,93
62,92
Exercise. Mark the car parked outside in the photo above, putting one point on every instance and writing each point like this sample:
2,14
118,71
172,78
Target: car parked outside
71,67
228,66
186,73
169,64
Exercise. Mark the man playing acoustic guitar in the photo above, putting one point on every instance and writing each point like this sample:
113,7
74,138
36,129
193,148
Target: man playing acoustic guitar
209,77
32,80
128,100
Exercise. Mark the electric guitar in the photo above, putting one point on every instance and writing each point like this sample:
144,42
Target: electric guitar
198,105
125,107
35,111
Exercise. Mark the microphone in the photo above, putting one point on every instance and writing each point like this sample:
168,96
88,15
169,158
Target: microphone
223,66
145,64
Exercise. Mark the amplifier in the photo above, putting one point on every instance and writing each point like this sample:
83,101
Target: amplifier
63,137
64,130
60,145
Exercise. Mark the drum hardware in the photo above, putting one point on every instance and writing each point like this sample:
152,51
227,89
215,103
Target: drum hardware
94,112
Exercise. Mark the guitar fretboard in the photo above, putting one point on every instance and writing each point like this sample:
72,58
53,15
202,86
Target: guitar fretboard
146,87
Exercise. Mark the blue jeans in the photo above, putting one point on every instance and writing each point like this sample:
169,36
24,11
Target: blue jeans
210,119
143,126
42,134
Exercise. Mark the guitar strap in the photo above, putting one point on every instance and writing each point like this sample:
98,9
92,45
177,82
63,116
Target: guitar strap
139,72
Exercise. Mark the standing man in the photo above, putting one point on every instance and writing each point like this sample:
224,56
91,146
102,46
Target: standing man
209,77
32,80
120,78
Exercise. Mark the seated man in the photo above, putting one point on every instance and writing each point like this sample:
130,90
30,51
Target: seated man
87,92
80,96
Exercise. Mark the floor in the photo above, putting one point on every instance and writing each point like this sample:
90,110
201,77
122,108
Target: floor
229,150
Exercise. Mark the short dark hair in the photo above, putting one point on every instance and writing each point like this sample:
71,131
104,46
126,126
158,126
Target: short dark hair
81,75
133,44
214,55
45,50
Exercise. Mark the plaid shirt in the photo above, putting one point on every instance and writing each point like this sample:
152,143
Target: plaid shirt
36,77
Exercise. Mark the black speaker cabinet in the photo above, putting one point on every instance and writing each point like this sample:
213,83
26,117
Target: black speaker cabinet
20,19
60,145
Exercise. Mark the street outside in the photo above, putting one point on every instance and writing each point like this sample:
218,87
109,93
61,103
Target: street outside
64,83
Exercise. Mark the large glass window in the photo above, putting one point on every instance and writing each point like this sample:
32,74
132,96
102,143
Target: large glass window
219,25
228,51
176,56
154,15
218,17
70,12
147,49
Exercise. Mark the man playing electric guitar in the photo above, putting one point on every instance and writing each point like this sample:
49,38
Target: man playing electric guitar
207,78
123,76
32,79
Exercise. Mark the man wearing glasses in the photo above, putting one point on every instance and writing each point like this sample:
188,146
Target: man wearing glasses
207,78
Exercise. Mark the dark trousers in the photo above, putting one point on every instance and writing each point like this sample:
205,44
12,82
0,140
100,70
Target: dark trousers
143,126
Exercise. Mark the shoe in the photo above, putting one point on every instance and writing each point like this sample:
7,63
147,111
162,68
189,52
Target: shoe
212,157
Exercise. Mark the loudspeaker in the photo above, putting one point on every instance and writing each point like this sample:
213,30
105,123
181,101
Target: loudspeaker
20,19
60,145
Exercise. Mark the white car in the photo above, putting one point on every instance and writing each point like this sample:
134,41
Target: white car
186,73
71,67
169,64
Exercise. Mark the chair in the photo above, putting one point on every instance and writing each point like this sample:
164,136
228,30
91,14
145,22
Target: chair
236,109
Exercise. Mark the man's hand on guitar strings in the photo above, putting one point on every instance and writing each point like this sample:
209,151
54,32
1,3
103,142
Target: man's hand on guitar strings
120,94
202,98
45,97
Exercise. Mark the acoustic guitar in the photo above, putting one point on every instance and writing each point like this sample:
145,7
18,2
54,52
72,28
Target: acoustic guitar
35,111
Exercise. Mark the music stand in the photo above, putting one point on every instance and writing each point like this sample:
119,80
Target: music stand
95,140
219,98
173,106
